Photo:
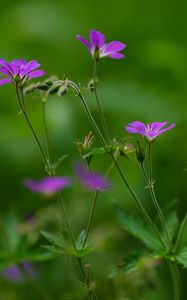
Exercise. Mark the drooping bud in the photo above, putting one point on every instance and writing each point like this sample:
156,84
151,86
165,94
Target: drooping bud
140,154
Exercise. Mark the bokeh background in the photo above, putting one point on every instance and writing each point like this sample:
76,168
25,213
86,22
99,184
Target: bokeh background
148,85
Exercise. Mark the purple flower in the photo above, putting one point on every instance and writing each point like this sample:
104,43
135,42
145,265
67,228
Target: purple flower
92,180
47,186
150,131
99,49
14,273
19,71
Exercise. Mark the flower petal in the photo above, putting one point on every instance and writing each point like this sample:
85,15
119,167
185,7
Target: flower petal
4,81
97,38
116,55
30,66
113,47
136,127
37,73
166,129
155,126
83,40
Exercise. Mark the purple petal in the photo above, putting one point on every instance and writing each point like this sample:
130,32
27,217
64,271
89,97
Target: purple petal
83,40
13,272
97,39
116,55
94,38
37,73
136,127
30,66
166,129
92,180
155,126
19,62
4,81
47,185
113,47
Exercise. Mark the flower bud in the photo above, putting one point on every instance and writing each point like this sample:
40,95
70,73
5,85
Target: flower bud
140,155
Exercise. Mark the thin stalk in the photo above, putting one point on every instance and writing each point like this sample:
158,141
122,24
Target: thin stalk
90,217
46,130
153,196
176,280
133,194
21,101
138,202
66,220
92,121
181,230
150,163
102,116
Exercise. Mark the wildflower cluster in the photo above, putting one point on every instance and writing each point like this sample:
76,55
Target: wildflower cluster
159,240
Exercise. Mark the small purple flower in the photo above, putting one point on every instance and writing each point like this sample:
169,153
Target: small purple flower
14,273
99,49
47,186
19,71
92,180
150,131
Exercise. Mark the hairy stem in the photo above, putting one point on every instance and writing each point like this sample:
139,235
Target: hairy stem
21,103
102,116
153,196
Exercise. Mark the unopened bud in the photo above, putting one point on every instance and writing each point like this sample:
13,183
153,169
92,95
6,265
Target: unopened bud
140,155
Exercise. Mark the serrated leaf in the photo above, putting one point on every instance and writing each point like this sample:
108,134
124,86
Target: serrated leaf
133,263
181,257
138,229
56,239
61,246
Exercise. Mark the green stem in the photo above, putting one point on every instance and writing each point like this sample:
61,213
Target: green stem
138,202
102,116
176,280
181,230
92,121
21,101
90,217
153,196
66,220
46,130
135,197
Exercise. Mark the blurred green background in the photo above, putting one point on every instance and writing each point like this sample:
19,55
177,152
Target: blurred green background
148,85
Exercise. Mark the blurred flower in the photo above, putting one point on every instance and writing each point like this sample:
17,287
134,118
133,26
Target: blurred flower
150,131
14,272
19,71
92,180
47,186
99,49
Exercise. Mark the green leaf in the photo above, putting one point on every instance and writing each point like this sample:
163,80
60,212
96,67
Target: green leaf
172,223
138,229
134,263
95,151
61,246
80,239
181,257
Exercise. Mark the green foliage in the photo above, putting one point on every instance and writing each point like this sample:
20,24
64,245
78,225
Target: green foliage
61,245
137,228
134,262
172,222
181,257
